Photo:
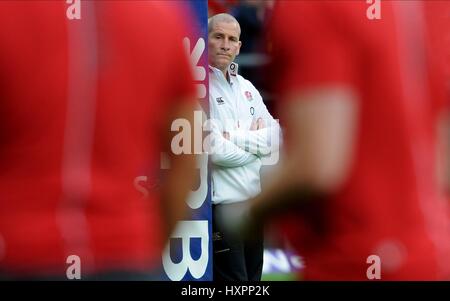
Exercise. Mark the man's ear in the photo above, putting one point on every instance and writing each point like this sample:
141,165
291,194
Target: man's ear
239,48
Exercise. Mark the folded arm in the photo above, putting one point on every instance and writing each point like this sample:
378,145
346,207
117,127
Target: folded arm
226,154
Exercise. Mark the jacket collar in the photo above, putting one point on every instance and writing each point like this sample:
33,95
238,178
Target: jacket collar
232,69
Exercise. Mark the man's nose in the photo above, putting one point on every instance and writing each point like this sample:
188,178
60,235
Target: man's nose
225,45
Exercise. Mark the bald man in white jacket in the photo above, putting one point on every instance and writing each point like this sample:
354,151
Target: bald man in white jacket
245,136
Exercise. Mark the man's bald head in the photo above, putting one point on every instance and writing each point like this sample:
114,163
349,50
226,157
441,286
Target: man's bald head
226,18
223,41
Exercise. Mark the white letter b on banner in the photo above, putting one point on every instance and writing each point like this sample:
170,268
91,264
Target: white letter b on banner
187,230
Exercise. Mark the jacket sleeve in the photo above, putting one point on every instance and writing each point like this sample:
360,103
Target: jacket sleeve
261,142
226,154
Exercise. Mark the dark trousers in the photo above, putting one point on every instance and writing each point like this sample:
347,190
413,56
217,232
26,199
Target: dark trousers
236,258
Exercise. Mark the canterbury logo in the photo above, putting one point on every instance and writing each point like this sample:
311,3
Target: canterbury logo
220,101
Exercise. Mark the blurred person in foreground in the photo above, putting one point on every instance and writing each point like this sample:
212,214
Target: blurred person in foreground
242,131
86,108
438,16
363,104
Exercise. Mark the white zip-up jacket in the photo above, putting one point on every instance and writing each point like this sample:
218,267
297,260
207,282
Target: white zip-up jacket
236,162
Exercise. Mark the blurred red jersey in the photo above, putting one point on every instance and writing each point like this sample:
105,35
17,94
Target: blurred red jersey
438,18
83,107
389,205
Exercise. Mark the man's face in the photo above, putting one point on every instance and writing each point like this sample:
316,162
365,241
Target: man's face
223,44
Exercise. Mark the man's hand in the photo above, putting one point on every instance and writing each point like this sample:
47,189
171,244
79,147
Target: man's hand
257,124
